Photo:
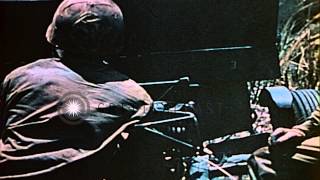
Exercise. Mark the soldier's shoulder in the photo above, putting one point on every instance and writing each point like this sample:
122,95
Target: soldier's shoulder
132,89
38,64
38,68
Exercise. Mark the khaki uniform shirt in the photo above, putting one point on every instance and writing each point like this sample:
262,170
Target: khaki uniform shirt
312,125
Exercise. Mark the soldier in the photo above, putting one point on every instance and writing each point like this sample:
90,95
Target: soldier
62,117
293,153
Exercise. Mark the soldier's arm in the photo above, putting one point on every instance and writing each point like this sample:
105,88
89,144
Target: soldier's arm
311,127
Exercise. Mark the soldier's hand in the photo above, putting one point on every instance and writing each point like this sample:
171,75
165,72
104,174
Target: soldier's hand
282,135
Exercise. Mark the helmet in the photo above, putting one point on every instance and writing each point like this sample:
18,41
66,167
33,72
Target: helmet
92,27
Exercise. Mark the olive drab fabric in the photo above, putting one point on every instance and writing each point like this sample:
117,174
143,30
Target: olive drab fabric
36,134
